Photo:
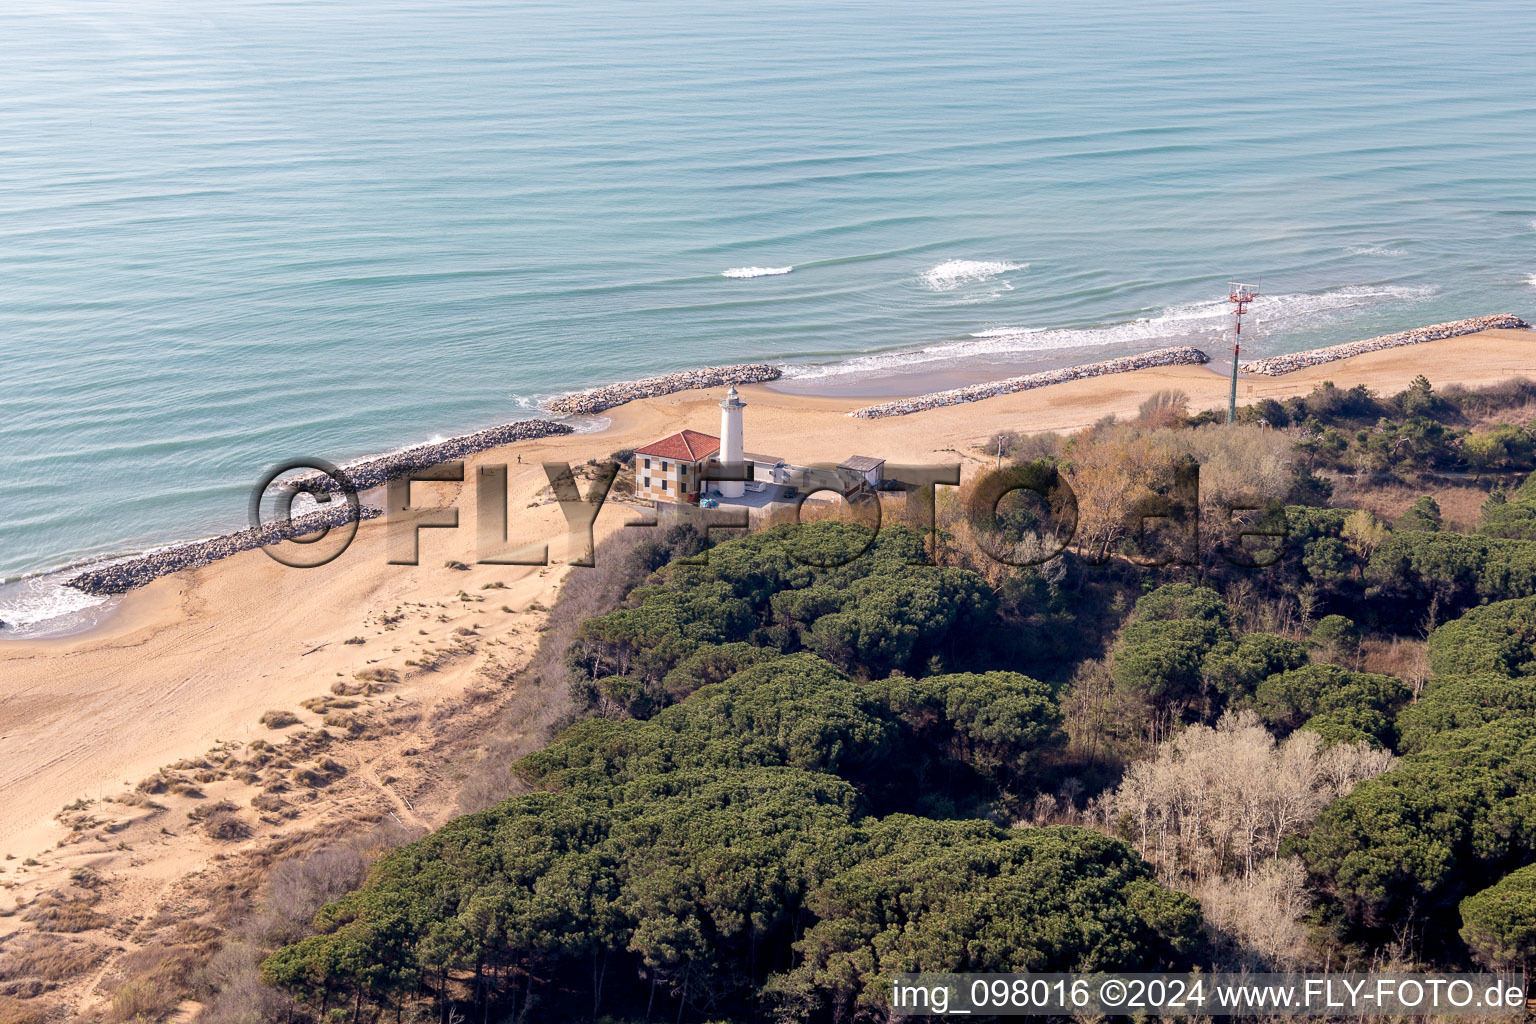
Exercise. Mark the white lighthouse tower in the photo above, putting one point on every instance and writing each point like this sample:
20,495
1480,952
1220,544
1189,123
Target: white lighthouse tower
731,450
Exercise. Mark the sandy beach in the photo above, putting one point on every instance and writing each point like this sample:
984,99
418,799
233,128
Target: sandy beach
195,659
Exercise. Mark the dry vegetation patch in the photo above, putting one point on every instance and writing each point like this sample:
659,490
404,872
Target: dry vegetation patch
33,963
25,1011
279,719
1461,504
58,911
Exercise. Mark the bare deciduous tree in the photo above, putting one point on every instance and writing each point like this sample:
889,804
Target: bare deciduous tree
1216,802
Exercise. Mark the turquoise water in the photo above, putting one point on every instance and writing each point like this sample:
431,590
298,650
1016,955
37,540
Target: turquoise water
231,233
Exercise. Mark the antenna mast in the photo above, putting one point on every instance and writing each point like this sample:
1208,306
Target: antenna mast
1240,295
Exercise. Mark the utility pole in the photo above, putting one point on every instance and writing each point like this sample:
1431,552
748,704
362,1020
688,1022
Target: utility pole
1240,295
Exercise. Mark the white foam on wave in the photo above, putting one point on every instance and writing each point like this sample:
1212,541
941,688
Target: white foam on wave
1530,279
1193,323
1375,250
589,424
743,272
952,274
28,605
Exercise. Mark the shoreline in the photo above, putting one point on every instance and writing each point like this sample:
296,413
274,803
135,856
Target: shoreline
195,658
119,575
1271,366
1180,355
122,574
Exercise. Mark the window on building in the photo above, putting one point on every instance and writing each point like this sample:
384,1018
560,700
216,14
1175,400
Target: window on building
647,481
663,467
647,463
664,484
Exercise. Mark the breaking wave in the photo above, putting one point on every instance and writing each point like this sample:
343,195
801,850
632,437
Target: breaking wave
755,271
36,606
1191,324
952,274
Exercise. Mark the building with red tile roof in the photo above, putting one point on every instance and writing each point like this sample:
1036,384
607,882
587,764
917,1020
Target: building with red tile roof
672,468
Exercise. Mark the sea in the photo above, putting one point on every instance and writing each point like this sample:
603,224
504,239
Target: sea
235,232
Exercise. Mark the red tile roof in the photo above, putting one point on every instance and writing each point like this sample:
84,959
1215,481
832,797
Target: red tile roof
685,446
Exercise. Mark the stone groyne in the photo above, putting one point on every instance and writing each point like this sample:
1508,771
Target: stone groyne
130,573
368,473
1273,366
1177,356
595,400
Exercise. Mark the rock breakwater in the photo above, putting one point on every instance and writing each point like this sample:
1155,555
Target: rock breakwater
367,473
131,573
1273,366
119,577
1177,356
595,400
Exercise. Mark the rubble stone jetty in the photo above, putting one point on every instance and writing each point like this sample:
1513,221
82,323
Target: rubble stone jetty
1177,356
1273,366
367,473
594,400
130,573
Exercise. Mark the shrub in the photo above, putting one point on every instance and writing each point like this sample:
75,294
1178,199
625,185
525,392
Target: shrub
1336,635
1164,409
279,719
48,957
269,803
1424,514
148,997
226,826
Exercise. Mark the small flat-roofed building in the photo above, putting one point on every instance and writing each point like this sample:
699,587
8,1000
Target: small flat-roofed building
862,472
764,470
672,469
